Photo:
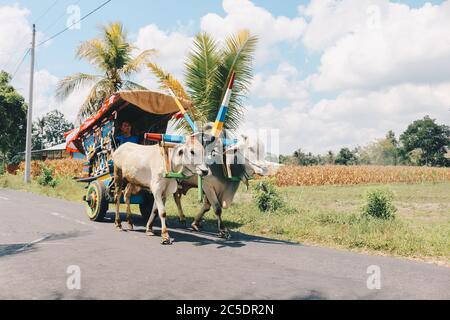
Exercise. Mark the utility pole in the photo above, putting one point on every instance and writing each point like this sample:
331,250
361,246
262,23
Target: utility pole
27,177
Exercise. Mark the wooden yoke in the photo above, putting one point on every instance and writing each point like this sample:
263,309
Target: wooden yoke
165,154
166,142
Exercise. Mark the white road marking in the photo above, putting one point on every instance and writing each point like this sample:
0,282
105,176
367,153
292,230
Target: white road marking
32,242
38,240
4,198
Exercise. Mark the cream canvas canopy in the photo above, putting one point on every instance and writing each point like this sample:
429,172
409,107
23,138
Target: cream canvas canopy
153,102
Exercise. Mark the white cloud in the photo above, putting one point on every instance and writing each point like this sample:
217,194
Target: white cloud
15,34
13,30
71,105
283,84
43,97
172,46
244,14
330,20
353,118
375,44
44,88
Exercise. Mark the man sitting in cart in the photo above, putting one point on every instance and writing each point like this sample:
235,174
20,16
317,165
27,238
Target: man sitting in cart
126,136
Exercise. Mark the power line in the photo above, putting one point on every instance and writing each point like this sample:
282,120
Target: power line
76,22
20,64
46,11
15,48
57,34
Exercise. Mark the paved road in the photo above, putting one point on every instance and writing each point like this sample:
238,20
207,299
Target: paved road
41,237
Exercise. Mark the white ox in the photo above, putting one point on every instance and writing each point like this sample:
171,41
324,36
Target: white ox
143,167
219,190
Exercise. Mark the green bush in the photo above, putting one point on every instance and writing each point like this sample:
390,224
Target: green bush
46,178
379,204
267,197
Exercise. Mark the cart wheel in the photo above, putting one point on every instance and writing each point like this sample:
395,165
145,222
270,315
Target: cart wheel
97,205
146,207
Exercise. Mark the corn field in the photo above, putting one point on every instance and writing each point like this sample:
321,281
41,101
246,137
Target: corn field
63,167
301,176
354,175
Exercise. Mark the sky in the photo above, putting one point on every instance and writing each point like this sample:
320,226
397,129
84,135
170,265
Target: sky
327,73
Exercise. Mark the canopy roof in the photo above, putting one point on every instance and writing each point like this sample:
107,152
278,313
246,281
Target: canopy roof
148,101
153,102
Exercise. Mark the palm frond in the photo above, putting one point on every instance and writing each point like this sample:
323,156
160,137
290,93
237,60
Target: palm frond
237,56
102,90
111,53
136,64
94,51
208,72
117,45
201,72
69,84
167,81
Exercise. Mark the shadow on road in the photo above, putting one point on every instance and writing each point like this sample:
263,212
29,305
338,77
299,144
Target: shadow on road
208,235
17,248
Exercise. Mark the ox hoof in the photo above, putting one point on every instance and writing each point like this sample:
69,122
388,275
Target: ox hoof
166,242
130,227
224,235
149,233
196,227
118,227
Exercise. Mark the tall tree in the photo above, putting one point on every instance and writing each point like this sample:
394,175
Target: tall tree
329,157
13,119
111,55
346,157
391,137
209,66
49,130
37,140
426,141
381,152
306,159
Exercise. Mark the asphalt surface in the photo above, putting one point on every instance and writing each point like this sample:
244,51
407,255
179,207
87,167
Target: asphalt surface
41,237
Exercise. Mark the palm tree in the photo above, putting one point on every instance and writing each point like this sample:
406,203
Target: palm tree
208,71
111,54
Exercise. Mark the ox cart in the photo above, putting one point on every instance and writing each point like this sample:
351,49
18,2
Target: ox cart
96,139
